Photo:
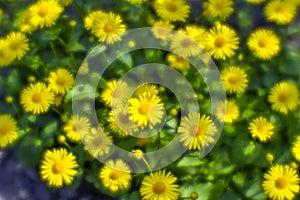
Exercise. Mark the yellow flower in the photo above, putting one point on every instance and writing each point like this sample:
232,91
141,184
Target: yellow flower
159,186
196,131
218,8
280,11
264,43
296,149
8,130
170,10
269,157
146,109
234,79
281,182
283,97
115,175
92,19
120,122
227,112
150,88
5,59
45,13
109,28
58,167
162,29
178,62
25,22
117,90
16,45
136,2
65,2
255,1
60,81
261,128
36,98
188,42
77,127
98,142
222,41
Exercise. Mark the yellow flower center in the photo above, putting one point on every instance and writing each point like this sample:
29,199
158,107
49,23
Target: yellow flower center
123,118
116,93
281,183
144,109
262,129
60,80
108,28
283,97
97,141
14,46
77,127
159,187
219,6
43,11
196,130
280,9
233,79
263,43
172,7
3,130
220,42
114,175
58,168
185,43
37,98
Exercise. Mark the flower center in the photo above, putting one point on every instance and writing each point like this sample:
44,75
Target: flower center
219,6
220,42
280,9
281,183
186,43
3,130
58,168
60,80
43,11
116,93
144,109
97,141
196,131
172,7
283,97
108,28
233,79
263,43
123,118
114,175
14,46
37,98
159,187
261,129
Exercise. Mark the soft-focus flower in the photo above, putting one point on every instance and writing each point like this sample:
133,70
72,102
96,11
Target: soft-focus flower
170,10
221,9
234,79
227,112
8,130
261,129
60,81
280,11
296,149
77,127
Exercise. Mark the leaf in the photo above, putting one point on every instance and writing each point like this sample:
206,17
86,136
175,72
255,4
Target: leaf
75,47
191,162
126,59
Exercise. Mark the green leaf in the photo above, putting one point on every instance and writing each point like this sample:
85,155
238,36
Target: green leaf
75,47
191,161
126,59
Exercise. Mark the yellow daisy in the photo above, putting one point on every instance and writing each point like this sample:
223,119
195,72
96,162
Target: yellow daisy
77,127
283,97
170,10
115,175
187,41
98,142
280,11
25,22
227,112
160,186
5,59
17,45
146,109
162,29
255,1
109,28
65,2
234,79
60,81
281,182
36,98
296,148
150,88
8,130
92,19
120,122
58,167
117,90
261,128
264,43
45,13
218,8
177,62
196,131
222,41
